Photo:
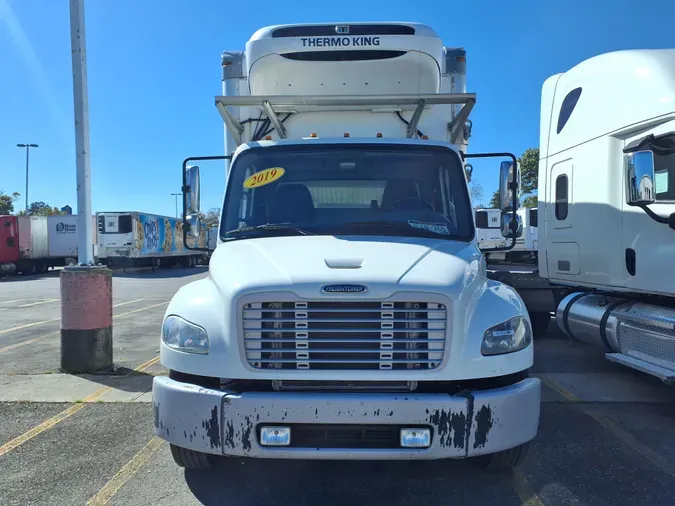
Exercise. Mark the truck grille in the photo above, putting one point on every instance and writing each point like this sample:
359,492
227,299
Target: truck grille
344,335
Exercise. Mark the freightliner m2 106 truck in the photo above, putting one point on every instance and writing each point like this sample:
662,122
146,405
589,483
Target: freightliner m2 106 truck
347,312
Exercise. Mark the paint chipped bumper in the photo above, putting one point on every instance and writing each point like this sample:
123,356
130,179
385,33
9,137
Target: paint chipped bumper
220,422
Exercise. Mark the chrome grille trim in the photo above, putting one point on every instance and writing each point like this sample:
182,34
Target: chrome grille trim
336,335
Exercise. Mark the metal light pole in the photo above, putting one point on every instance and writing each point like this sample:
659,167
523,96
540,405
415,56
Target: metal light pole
27,146
86,289
176,195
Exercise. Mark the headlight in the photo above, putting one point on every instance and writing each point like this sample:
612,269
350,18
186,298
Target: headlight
182,335
512,335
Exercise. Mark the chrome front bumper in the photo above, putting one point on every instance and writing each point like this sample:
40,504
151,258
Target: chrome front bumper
223,423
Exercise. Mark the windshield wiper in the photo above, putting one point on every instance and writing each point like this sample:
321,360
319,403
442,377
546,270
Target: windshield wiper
415,226
269,227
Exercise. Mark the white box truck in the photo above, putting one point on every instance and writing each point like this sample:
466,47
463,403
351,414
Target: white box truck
133,239
525,249
489,232
347,313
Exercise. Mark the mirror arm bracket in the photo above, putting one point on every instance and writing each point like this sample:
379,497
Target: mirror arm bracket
660,219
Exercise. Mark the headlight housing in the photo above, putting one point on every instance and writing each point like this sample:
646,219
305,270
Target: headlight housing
512,335
181,335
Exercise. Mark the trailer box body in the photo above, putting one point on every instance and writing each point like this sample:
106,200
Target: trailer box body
63,235
9,239
33,237
138,235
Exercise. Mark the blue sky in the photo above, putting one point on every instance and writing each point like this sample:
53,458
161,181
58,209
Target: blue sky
154,68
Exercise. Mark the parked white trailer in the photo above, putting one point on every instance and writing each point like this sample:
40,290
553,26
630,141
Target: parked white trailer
526,246
62,236
489,232
33,237
347,288
128,239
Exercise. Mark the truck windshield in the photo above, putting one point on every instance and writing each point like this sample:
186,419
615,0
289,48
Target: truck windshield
348,189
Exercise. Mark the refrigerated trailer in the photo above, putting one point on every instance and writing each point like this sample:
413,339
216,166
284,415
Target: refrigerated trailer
347,313
527,242
489,232
33,244
134,239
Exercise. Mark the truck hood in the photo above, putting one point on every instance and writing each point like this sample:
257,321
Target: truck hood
304,264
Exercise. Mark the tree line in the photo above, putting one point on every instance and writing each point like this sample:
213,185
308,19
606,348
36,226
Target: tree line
7,201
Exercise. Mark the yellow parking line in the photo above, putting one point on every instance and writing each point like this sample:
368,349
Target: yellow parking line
48,424
38,303
15,300
142,309
623,435
527,495
123,475
554,385
127,302
28,325
29,341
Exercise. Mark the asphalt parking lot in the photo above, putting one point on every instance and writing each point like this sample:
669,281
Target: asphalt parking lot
606,433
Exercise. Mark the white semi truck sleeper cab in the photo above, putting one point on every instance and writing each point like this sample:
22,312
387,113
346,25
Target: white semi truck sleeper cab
346,313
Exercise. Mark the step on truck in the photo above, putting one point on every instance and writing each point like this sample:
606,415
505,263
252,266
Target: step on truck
347,312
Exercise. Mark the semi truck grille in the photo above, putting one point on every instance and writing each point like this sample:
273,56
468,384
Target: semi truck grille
344,335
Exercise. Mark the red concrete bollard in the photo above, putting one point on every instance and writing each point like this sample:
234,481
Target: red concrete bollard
86,319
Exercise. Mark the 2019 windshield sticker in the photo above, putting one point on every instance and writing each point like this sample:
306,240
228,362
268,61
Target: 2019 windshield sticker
438,228
263,177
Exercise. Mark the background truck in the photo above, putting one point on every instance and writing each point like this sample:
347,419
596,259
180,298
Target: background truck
347,313
526,246
133,239
33,244
606,211
489,232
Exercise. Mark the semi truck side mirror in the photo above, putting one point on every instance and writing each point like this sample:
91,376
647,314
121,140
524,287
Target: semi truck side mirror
192,197
508,223
192,193
505,176
468,168
639,168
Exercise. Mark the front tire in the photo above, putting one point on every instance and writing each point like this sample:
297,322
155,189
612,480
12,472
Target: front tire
190,459
504,460
540,323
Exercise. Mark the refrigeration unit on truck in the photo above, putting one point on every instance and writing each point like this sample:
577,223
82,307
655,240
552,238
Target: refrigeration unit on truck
347,313
133,239
607,207
33,244
488,224
526,246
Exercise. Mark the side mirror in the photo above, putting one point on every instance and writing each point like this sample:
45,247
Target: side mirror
508,225
195,225
468,169
192,195
639,178
505,176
